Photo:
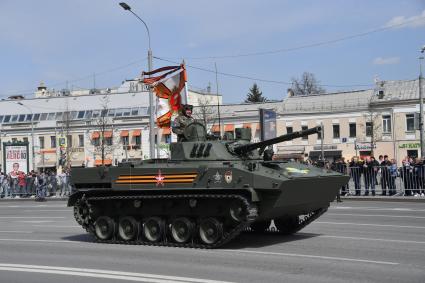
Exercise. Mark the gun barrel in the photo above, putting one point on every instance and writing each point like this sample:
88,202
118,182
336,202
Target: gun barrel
249,147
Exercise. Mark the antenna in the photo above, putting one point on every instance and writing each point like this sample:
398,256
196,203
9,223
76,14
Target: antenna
218,99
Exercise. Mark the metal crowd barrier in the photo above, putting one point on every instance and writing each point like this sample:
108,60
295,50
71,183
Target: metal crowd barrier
31,190
408,180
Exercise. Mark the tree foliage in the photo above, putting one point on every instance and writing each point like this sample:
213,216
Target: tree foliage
306,85
255,95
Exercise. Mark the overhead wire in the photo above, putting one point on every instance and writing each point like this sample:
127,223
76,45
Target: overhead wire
305,46
254,78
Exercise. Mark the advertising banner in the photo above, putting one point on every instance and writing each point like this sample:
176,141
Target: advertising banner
267,124
16,157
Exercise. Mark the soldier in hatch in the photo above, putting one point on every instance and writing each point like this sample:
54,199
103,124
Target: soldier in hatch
182,121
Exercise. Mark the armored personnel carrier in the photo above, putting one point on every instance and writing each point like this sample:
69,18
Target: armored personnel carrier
204,195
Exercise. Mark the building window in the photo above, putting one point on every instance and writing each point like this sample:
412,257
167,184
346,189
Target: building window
124,140
168,138
353,132
52,142
386,124
303,128
368,129
96,142
289,130
41,140
69,141
25,140
410,122
138,140
108,141
319,135
335,129
81,140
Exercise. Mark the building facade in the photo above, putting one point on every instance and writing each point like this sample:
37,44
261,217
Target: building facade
378,121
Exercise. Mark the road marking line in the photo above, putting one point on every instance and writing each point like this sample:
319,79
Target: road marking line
42,241
375,208
367,224
47,210
24,232
314,256
32,217
378,215
99,273
57,226
370,239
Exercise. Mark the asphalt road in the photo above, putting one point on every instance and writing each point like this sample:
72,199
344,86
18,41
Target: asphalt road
354,241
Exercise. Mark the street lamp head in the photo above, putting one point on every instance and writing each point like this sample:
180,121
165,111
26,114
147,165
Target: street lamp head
125,6
20,103
423,49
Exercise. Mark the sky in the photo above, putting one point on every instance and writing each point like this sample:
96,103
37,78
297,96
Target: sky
80,44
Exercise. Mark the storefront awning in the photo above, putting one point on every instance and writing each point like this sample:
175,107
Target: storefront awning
124,133
98,162
137,133
95,135
107,134
215,129
229,128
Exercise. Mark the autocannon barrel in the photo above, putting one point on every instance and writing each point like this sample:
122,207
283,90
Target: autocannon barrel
249,147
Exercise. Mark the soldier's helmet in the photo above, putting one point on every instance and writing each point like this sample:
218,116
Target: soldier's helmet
186,107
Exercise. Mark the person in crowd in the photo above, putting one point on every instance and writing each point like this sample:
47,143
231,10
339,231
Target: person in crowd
370,170
341,166
6,186
385,175
22,184
393,175
2,176
53,184
355,173
407,175
41,186
418,176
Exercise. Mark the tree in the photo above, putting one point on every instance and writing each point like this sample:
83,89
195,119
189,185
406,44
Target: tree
103,142
373,127
306,85
206,111
255,95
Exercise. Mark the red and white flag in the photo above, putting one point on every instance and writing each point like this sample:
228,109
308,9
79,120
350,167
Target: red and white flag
169,87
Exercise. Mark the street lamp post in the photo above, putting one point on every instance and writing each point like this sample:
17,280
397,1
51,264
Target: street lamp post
421,106
151,104
32,135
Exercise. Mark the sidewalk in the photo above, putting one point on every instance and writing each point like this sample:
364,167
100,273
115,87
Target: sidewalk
384,198
32,199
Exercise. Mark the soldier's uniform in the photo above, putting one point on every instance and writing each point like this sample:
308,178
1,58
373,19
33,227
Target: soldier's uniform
181,122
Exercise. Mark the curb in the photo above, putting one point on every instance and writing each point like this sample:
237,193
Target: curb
30,199
387,199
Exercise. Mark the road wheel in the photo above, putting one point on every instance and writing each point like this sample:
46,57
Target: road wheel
153,229
181,229
287,225
104,228
236,211
260,226
210,230
128,228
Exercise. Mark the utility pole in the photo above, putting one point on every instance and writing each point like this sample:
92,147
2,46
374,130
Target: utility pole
151,103
421,105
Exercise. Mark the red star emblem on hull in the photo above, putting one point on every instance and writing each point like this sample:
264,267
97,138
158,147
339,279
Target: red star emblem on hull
159,179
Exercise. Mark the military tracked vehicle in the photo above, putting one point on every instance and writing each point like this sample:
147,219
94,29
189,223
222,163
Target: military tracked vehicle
204,195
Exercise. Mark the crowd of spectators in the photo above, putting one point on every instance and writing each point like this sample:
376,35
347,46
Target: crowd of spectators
17,184
368,173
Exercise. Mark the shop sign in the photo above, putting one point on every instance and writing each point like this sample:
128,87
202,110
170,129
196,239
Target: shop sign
15,158
364,146
410,145
325,147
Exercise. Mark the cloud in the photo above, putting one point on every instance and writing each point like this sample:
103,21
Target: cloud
411,22
386,61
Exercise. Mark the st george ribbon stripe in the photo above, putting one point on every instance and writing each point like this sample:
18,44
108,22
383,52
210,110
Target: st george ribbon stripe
99,273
